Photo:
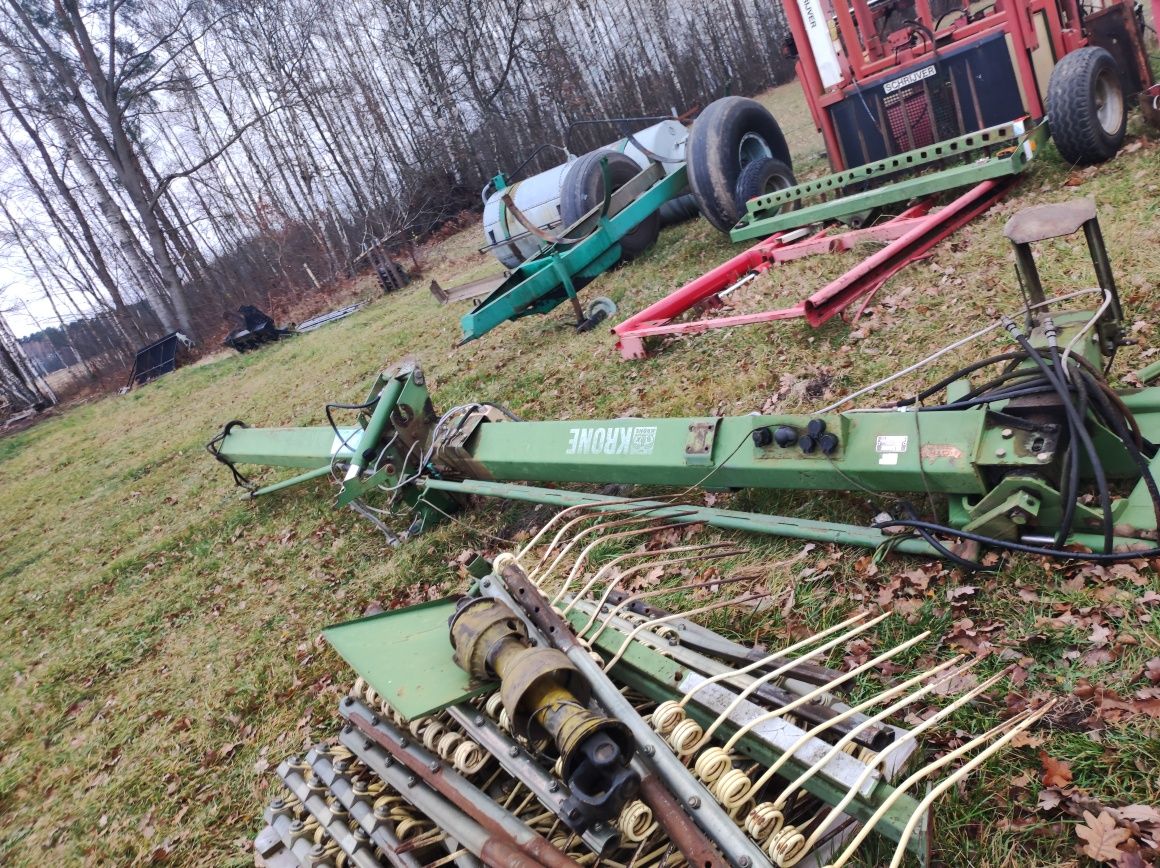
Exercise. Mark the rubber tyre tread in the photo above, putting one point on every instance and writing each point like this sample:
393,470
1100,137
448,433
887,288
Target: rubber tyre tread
583,189
1071,107
713,162
754,181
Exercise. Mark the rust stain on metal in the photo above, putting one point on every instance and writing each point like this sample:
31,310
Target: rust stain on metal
934,451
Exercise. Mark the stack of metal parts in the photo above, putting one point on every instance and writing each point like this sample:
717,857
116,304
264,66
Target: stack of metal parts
553,717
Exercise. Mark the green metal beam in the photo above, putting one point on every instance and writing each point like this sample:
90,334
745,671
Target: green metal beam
766,214
749,522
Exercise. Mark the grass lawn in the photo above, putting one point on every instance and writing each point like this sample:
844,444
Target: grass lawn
160,650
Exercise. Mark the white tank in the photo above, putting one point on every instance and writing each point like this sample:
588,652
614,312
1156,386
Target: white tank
538,197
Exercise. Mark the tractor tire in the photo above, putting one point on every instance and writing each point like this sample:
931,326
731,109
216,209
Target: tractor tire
763,176
583,189
1086,107
729,135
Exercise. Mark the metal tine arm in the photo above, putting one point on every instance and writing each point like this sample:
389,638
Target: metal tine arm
877,699
584,508
720,604
962,772
617,611
541,574
774,673
1012,727
770,658
582,559
783,799
653,562
809,697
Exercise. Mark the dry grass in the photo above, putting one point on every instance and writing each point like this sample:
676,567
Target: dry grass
160,644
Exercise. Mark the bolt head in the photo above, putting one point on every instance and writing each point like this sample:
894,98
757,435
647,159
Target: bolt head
554,787
486,583
1008,433
412,780
649,750
513,751
1000,453
744,861
478,720
348,701
694,802
433,766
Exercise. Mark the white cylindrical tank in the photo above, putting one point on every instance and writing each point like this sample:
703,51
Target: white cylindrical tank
538,197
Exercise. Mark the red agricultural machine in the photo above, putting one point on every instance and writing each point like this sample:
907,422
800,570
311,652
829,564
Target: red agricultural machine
887,76
914,99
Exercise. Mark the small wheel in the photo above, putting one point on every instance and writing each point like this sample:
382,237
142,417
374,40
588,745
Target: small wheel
766,175
729,135
1086,106
583,189
597,311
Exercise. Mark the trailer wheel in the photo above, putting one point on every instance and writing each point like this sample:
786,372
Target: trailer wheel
763,176
583,189
1086,106
729,135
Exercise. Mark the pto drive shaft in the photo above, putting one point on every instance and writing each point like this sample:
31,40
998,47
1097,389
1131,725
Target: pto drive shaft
544,694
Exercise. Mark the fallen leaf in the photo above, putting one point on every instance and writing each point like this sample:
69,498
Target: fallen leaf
1027,739
1056,773
1152,670
1102,836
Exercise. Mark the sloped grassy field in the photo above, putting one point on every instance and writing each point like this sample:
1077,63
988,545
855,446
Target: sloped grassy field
160,650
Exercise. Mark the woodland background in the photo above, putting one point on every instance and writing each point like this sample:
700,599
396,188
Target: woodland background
163,162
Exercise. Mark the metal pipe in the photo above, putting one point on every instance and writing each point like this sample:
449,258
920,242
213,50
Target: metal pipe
453,786
380,416
293,480
694,798
494,851
382,834
360,855
750,522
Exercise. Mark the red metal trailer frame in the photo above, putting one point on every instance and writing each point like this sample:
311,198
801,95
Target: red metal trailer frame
911,235
861,58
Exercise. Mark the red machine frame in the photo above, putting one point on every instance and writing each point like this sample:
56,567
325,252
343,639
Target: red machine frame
876,61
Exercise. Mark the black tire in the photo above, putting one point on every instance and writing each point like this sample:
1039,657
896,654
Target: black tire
1086,106
763,176
583,189
729,135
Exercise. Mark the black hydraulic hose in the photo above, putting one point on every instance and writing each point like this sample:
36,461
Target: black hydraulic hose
958,375
1120,429
1080,429
943,551
334,426
1022,548
1005,395
1069,492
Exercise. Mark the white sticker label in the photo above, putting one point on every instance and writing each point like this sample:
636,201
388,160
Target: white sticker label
909,79
888,458
612,440
891,443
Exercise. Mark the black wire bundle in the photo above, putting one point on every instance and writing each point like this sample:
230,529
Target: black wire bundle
1084,396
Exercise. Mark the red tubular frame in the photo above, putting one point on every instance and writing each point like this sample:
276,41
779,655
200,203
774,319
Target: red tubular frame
910,235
